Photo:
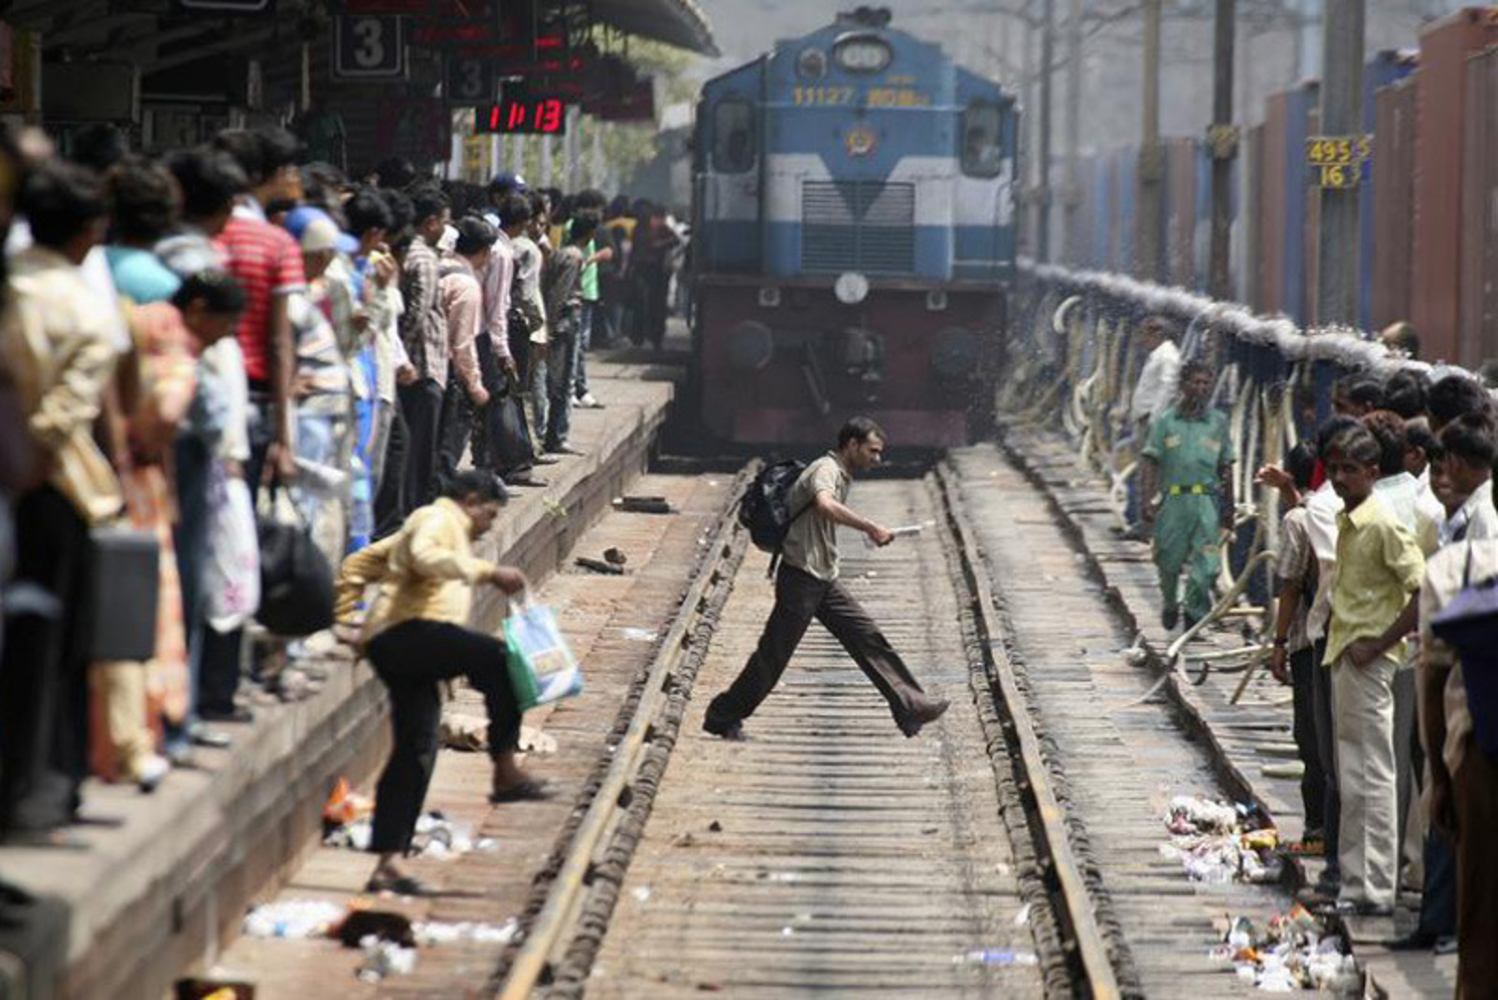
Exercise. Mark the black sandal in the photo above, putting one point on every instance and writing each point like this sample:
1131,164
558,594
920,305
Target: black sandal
530,790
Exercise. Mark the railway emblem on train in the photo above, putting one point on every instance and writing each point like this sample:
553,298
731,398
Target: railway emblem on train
860,140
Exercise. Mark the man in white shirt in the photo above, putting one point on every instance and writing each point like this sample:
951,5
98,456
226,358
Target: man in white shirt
1153,394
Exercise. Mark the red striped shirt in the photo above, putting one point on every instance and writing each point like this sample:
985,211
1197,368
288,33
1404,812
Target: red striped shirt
267,262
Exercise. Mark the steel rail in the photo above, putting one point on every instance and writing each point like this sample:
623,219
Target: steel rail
1076,909
532,962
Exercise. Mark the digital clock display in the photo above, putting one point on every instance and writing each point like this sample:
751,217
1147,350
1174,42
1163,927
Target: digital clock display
537,115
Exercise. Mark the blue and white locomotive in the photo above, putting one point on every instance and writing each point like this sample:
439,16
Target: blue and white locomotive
854,236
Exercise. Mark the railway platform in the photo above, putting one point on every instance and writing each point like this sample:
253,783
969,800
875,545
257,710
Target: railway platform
159,884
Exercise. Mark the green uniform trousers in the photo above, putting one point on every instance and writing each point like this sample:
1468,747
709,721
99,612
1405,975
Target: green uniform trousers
1186,536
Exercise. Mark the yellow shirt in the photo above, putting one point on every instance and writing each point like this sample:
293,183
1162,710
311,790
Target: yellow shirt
1379,565
55,340
426,570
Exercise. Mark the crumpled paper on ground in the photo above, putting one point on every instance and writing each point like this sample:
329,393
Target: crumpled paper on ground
293,918
436,837
1218,843
1291,951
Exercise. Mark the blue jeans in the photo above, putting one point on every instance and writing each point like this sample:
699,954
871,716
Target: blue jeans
561,360
585,320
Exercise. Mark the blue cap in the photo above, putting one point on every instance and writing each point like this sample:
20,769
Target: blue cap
511,180
299,218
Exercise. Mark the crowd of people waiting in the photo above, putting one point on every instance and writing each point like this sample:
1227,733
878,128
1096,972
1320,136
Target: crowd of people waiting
1389,516
189,339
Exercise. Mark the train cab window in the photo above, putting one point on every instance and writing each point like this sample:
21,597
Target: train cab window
982,140
733,136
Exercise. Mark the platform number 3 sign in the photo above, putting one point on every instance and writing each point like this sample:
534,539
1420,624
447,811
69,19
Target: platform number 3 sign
369,47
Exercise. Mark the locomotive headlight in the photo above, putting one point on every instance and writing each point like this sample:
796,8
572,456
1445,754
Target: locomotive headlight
851,288
769,297
862,54
955,353
751,345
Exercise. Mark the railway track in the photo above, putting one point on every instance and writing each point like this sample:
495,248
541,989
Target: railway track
827,853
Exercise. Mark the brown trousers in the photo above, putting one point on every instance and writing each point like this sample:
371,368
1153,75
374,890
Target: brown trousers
800,597
1477,875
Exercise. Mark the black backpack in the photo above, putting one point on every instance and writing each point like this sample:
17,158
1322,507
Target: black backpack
766,507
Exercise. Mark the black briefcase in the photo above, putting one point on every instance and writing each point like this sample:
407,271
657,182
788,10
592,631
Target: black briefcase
126,593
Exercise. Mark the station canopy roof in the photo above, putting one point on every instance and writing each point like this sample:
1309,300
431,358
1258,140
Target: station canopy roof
675,22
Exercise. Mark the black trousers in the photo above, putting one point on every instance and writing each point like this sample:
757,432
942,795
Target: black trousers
44,671
454,431
1303,669
1326,742
411,658
421,405
800,597
390,501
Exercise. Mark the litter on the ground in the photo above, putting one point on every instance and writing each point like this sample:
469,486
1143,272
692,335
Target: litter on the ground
436,837
437,933
639,634
293,918
344,806
1219,843
996,956
384,958
1290,951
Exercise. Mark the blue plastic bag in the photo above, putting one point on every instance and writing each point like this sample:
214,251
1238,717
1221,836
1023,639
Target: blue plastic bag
541,665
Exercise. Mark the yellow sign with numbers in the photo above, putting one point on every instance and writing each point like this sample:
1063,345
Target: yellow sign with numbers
1337,160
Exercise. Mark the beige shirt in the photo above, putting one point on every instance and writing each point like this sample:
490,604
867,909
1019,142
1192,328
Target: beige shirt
1443,581
426,570
56,339
1296,556
811,543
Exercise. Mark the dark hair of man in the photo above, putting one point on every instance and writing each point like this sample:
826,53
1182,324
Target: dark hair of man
1405,393
1473,438
538,201
858,429
99,147
247,150
1364,390
1359,445
219,292
515,211
322,182
475,482
1330,429
144,201
278,148
1195,366
584,225
210,180
474,236
589,199
402,211
396,172
618,208
1301,464
1388,427
554,199
60,201
1417,434
1455,395
366,210
1160,327
426,204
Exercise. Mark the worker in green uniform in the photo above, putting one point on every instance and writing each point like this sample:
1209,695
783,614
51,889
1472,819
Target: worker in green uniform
1185,475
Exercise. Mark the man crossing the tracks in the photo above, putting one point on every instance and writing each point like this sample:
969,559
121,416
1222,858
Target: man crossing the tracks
808,586
1188,460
